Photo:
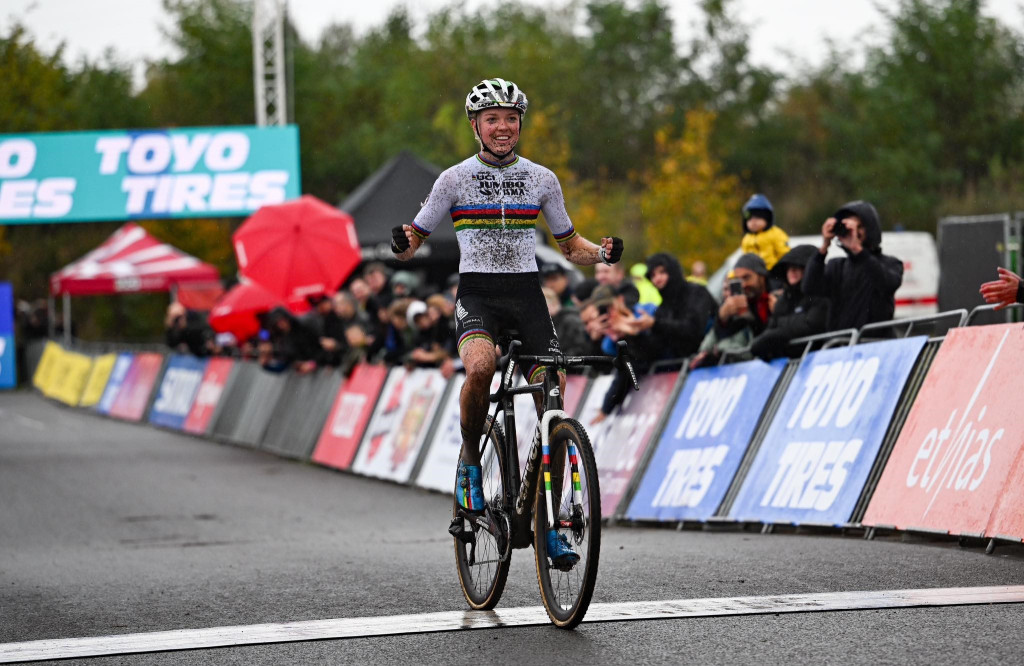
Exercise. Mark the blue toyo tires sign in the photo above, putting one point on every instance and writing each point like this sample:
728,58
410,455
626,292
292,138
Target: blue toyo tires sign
122,175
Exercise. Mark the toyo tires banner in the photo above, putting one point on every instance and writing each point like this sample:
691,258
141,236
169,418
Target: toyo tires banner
621,439
128,174
823,441
705,439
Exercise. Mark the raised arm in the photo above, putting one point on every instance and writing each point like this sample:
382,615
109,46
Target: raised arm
582,252
574,247
408,238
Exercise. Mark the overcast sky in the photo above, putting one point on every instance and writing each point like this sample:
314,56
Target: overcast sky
783,29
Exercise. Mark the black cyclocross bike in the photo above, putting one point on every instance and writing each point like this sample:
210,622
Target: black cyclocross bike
519,512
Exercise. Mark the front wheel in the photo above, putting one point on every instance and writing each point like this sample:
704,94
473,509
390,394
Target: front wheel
481,557
576,506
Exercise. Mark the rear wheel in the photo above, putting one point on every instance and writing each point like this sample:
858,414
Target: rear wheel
482,555
577,510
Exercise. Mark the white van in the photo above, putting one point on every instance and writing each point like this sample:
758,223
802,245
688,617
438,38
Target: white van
919,293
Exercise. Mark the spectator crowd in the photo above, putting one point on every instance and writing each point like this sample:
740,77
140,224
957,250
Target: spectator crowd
772,294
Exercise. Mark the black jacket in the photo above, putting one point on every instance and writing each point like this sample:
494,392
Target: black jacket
681,320
572,333
861,287
795,316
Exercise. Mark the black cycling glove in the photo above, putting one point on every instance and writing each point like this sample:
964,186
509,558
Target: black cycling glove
616,253
399,241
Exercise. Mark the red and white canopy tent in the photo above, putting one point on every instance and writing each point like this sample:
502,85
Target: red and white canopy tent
130,261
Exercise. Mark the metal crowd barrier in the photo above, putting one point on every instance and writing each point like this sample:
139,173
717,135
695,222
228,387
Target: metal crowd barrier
987,308
922,321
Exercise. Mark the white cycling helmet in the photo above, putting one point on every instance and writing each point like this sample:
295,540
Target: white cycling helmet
495,93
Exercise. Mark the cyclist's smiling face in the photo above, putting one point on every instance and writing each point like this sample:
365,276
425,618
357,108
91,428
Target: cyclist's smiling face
498,129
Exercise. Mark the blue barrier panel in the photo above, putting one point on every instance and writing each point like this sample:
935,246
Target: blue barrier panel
8,375
822,444
117,375
177,391
705,439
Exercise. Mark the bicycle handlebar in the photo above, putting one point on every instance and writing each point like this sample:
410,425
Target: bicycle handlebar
622,361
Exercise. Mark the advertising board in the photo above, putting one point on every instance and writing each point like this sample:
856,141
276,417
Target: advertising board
704,441
128,174
825,437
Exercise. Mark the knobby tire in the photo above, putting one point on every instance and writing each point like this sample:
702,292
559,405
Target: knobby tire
567,595
484,582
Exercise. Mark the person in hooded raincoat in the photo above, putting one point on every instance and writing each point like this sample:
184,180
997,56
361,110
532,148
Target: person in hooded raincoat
861,286
794,314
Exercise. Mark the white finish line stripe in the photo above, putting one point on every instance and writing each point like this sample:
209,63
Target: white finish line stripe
394,625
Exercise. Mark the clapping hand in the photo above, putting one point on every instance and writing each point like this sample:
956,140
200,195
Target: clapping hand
1002,292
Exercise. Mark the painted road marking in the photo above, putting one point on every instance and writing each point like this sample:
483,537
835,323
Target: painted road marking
394,625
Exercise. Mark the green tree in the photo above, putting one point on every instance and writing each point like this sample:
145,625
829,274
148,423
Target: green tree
690,206
211,82
931,109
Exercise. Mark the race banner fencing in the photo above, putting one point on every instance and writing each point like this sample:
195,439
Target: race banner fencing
437,471
137,387
47,361
823,442
177,392
128,174
102,366
8,371
113,386
69,376
701,447
621,440
301,412
349,415
957,464
400,423
215,378
526,412
61,375
258,392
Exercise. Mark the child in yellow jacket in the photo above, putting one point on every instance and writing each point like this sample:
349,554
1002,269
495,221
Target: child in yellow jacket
761,235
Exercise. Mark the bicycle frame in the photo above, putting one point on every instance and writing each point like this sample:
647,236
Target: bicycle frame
518,492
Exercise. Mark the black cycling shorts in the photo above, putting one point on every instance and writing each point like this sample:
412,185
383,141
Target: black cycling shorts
489,305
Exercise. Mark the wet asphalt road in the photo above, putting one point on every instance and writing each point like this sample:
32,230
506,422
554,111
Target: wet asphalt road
115,528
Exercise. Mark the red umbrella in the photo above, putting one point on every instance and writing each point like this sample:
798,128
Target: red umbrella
299,248
236,312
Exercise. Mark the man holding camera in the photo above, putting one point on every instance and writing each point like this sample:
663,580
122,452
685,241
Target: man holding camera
744,313
862,285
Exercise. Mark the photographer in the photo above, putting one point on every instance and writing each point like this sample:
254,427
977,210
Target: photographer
743,314
861,286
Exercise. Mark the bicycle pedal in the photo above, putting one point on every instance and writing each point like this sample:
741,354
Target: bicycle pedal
458,530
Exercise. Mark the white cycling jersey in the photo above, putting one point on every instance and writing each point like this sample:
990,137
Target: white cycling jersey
494,209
